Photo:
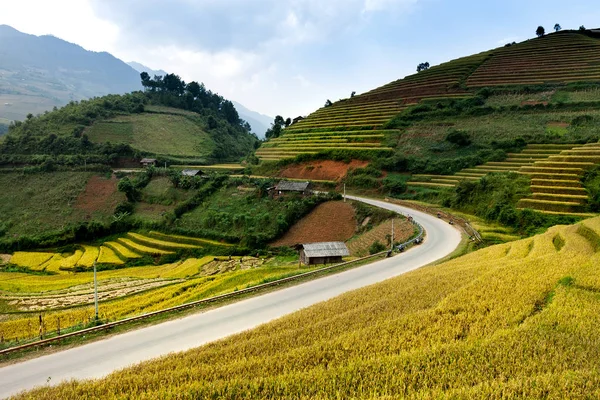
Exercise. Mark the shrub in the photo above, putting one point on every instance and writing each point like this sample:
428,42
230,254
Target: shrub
460,138
376,247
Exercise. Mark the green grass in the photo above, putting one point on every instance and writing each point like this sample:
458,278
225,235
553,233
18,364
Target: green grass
165,134
161,191
40,203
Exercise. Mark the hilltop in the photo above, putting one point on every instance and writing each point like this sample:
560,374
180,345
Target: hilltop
525,107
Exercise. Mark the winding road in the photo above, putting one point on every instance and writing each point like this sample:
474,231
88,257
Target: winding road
95,360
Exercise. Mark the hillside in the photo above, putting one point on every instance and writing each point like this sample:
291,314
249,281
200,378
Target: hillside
172,121
38,73
518,320
469,117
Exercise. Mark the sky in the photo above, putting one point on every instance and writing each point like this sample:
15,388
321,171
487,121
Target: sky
287,57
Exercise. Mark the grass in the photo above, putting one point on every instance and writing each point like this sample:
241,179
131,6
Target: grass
165,134
41,203
513,320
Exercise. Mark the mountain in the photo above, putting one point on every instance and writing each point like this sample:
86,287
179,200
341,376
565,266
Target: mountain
142,68
259,122
38,73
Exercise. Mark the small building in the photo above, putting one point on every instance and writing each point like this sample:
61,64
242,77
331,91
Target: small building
296,120
192,172
146,162
284,187
322,253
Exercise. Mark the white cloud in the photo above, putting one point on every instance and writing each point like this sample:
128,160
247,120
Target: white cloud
71,20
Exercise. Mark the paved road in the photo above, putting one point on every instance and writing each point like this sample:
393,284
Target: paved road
98,359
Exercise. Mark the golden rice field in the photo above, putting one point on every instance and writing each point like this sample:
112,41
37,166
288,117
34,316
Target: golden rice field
516,320
130,247
123,293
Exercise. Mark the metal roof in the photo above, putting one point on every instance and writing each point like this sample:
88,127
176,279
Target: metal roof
326,249
288,186
191,172
148,160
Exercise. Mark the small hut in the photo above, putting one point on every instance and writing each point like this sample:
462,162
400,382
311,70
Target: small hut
146,162
322,253
192,172
296,120
284,187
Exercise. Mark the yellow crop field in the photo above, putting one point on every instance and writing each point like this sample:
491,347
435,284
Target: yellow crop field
124,251
20,326
108,256
30,259
90,255
159,243
516,320
71,262
186,239
141,248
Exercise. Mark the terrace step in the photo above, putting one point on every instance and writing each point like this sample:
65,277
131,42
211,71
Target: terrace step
570,214
510,163
562,177
555,171
560,197
582,152
476,175
499,168
548,152
559,164
575,158
554,182
488,170
556,206
559,190
526,156
551,146
446,181
430,184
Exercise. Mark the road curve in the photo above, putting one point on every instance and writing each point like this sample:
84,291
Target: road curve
100,358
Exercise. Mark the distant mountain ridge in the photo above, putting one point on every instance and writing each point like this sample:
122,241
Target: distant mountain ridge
38,73
142,68
259,122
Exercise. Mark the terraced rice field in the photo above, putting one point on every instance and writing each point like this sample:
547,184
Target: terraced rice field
560,57
556,172
129,247
293,144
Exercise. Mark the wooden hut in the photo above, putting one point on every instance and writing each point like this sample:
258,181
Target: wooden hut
146,162
192,172
284,187
322,253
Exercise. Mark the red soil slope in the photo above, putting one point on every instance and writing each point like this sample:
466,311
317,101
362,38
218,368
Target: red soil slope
326,170
100,195
329,222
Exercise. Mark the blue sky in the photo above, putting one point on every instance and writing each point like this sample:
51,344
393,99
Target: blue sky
288,56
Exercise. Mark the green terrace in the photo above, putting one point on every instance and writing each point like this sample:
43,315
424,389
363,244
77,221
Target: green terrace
556,172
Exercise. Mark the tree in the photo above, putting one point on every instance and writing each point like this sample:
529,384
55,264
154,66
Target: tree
146,81
540,31
557,27
194,89
276,127
423,66
352,94
582,28
328,103
288,122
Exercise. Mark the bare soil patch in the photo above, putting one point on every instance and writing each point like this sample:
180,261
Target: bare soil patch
100,195
326,170
5,258
328,222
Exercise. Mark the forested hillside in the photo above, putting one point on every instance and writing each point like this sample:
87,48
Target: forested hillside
171,120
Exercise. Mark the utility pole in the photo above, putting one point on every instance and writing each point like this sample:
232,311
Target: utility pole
344,192
392,233
95,291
